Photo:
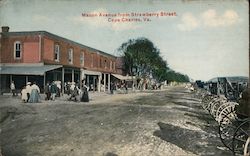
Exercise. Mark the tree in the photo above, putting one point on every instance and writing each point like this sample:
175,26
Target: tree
142,59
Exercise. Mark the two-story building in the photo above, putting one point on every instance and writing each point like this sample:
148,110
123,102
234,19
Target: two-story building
45,57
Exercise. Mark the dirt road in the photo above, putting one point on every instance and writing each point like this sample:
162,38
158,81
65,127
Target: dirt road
156,123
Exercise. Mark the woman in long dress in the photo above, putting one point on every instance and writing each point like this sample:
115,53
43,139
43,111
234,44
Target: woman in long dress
24,94
85,94
34,96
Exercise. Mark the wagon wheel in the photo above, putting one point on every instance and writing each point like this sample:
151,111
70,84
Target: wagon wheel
241,138
206,100
216,106
247,147
211,103
227,126
224,109
219,110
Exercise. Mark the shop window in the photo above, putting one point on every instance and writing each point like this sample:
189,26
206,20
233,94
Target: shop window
57,53
70,56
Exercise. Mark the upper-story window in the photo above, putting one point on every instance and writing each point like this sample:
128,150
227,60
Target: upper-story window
57,53
110,65
105,64
70,56
100,63
17,50
82,58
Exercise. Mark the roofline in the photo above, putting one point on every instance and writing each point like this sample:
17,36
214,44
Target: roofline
57,37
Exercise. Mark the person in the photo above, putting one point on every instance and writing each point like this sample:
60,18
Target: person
24,94
28,88
85,94
47,91
13,88
34,95
53,90
58,88
73,91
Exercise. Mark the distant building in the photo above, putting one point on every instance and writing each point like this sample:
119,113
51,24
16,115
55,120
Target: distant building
42,56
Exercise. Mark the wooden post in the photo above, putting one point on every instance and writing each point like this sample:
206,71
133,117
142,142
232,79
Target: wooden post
44,81
72,75
10,82
99,82
108,82
62,81
104,82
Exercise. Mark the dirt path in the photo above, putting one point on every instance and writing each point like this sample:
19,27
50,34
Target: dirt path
169,122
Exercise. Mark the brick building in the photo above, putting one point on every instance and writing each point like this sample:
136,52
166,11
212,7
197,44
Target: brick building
42,56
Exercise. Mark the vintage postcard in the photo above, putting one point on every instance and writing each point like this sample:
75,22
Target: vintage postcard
124,77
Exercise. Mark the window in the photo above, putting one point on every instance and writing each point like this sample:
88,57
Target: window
100,63
17,50
70,56
57,52
82,58
110,65
105,64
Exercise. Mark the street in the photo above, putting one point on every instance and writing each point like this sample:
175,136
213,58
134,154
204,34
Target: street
156,123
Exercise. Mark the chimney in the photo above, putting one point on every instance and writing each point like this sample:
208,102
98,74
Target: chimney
5,29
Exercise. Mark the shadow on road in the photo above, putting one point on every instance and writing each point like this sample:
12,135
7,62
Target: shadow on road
190,140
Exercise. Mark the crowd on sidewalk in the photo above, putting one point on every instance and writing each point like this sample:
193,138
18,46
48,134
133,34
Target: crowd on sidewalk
30,93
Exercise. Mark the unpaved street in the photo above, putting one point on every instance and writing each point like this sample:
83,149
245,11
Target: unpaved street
153,123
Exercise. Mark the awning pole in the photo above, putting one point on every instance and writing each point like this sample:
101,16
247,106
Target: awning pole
72,75
108,82
99,83
27,79
62,81
44,81
10,80
104,82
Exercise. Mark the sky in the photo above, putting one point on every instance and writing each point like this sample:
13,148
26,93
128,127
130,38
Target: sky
205,39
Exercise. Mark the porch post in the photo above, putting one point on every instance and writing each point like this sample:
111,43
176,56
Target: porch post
63,81
99,82
44,81
108,82
94,83
81,77
104,82
72,75
10,82
26,79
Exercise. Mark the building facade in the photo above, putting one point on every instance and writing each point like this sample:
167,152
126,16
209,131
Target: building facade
45,57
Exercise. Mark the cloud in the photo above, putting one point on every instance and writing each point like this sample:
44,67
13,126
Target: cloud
189,22
208,18
98,22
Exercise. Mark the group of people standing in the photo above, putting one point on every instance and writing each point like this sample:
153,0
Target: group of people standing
75,92
30,93
52,90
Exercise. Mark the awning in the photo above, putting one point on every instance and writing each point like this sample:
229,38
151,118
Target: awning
27,70
89,72
121,77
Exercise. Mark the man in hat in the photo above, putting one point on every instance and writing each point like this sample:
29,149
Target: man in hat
28,89
13,88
